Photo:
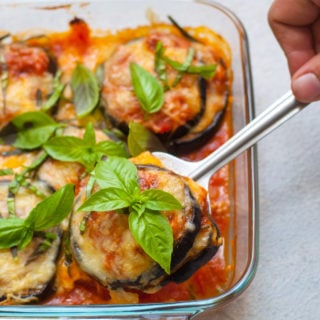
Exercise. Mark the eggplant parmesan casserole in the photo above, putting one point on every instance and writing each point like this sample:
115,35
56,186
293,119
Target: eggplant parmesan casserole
88,215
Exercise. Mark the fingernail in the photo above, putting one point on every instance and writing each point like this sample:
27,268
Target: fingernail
306,88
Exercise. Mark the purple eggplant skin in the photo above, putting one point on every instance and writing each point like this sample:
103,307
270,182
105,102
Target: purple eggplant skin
213,243
195,139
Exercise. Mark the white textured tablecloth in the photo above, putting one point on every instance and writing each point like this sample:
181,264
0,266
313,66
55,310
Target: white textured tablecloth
287,283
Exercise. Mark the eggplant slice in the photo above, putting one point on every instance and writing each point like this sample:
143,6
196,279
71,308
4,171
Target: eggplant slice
26,274
192,109
107,251
207,126
27,79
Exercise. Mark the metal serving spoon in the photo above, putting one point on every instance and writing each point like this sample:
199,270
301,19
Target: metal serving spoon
201,171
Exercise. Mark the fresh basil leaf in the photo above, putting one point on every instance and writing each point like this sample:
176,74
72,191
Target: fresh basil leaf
184,66
51,211
15,184
160,65
36,163
66,148
20,179
58,88
205,71
140,139
11,232
34,129
48,213
89,159
147,89
89,136
5,172
90,185
160,200
116,172
26,238
106,200
115,134
138,207
111,148
178,66
73,149
85,87
85,151
153,233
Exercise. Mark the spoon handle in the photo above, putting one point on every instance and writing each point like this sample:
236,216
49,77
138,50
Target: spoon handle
271,118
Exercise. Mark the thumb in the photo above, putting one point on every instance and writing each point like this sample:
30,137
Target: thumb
305,82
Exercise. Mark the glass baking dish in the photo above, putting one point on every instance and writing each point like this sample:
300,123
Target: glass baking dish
242,247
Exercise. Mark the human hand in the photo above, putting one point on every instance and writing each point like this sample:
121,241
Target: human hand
296,25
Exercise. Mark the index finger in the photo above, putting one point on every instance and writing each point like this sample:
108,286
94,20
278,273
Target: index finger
292,23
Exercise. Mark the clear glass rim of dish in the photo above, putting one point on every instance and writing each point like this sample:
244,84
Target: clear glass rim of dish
185,308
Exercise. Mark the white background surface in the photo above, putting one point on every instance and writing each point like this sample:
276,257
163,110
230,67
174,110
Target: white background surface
287,283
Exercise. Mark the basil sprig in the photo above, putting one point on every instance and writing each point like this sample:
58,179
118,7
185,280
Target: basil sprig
161,61
147,89
85,151
160,65
85,88
22,179
6,172
184,67
118,180
48,213
58,88
140,139
205,71
34,129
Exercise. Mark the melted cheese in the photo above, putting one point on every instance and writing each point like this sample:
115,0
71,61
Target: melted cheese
22,279
21,95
